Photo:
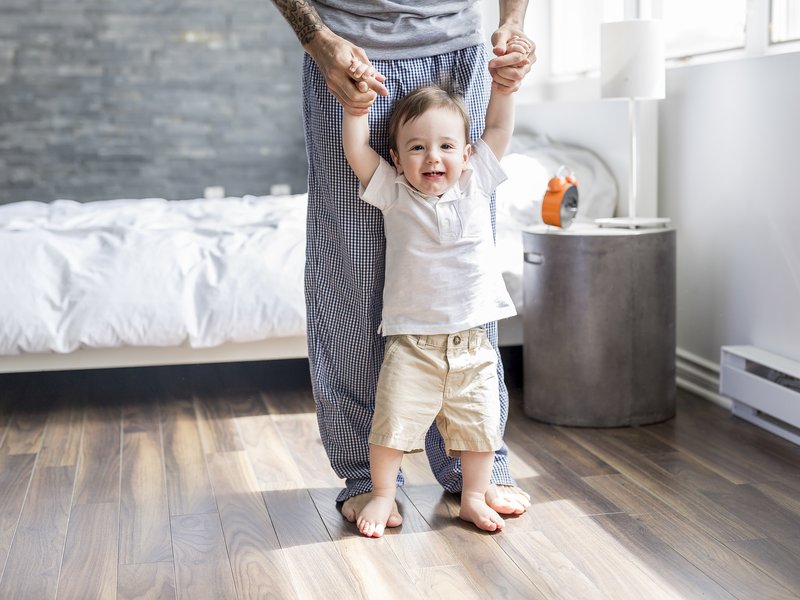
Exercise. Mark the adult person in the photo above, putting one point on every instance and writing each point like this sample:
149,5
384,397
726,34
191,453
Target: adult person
406,44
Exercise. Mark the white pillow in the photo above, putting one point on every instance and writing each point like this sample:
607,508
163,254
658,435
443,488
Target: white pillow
530,163
533,160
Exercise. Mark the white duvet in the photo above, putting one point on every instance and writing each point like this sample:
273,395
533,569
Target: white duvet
150,272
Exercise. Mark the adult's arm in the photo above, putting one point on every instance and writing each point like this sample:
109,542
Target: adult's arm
333,55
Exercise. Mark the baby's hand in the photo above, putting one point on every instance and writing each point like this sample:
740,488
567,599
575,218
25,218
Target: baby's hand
520,45
515,53
358,70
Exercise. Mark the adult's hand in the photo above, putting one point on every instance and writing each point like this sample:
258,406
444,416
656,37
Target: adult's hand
515,54
334,56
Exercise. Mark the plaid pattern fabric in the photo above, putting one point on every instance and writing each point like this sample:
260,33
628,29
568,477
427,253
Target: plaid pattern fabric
345,262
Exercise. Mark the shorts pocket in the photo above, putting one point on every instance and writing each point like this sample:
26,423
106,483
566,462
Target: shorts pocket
392,343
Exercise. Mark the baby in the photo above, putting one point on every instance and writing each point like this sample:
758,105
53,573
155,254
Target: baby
442,285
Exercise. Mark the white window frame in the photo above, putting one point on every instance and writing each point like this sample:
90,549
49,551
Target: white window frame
757,33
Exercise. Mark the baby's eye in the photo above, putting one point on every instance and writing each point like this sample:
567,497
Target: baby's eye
416,148
448,147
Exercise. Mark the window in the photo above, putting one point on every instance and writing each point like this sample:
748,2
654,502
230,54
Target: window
700,26
575,37
691,28
784,20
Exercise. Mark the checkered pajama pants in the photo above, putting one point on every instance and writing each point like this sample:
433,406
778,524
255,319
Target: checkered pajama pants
345,267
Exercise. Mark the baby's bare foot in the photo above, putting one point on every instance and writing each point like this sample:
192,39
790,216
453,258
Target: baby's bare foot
352,507
373,517
475,510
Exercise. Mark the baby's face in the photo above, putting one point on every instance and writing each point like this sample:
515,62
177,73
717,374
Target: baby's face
432,151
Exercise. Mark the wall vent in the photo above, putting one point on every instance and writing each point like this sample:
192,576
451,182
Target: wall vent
700,376
764,388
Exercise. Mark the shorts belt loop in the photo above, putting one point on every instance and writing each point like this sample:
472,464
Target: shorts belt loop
422,341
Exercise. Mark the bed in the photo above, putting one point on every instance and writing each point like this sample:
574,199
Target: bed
148,281
141,282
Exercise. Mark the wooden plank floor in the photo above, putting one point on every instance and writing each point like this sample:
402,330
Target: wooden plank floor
211,482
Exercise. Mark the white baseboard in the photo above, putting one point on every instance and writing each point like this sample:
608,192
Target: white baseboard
699,376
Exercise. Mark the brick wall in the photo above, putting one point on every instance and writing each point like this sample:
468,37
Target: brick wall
139,98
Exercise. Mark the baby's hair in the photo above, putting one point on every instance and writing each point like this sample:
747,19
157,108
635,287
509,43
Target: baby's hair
421,100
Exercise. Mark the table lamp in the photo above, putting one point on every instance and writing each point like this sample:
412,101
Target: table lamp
632,67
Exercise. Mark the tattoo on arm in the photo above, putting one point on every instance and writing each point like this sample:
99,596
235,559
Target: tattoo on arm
302,17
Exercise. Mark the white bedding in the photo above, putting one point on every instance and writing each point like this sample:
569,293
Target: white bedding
206,272
150,272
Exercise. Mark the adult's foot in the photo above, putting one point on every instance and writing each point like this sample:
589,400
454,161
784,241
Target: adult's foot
507,499
352,507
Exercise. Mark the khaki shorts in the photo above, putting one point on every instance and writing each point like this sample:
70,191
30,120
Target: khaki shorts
447,378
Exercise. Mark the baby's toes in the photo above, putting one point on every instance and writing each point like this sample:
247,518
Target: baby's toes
498,522
364,526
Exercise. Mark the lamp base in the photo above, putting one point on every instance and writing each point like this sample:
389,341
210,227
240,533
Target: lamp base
633,223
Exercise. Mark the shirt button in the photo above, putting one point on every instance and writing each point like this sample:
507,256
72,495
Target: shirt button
457,340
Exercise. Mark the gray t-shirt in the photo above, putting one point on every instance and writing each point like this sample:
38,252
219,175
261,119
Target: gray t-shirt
404,28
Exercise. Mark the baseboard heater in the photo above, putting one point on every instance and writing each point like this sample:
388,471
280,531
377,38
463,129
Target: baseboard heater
764,389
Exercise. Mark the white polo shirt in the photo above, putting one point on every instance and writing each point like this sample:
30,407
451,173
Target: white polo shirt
442,274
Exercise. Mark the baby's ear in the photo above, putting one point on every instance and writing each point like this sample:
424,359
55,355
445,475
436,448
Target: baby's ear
467,152
396,161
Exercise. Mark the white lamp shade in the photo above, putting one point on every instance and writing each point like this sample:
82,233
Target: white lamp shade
632,60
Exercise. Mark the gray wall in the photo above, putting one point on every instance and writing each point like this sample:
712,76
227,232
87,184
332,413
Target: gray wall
728,160
136,98
729,153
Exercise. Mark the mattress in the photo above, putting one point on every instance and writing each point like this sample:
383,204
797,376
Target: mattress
150,272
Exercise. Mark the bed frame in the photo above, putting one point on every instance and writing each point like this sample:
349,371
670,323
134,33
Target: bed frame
109,358
510,334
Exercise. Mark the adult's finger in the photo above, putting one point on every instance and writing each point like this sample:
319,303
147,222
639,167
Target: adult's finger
375,83
513,73
509,77
500,41
345,90
357,100
509,60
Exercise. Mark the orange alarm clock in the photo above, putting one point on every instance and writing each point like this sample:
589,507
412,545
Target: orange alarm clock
560,202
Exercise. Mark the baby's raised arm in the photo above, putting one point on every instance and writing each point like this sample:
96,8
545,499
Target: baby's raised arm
355,138
499,121
360,155
500,112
